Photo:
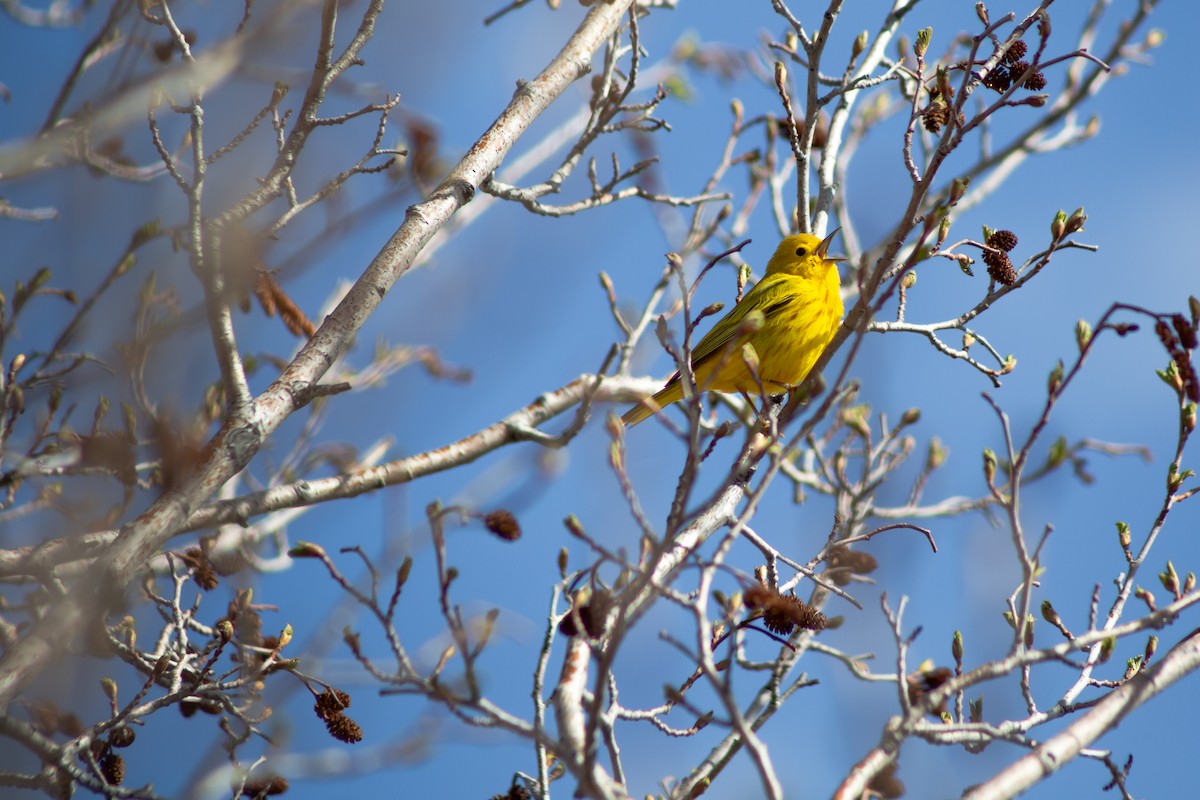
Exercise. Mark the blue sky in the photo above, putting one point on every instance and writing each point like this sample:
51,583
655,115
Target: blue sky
515,299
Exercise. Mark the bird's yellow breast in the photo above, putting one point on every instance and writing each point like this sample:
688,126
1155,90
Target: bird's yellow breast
802,316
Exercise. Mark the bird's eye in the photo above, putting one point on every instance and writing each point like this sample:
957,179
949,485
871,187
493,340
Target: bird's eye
801,251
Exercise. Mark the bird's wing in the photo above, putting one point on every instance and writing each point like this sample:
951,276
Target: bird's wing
770,295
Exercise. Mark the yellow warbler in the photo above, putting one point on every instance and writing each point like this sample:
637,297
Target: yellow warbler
787,319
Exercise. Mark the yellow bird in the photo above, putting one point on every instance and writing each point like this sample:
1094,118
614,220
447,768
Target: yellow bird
788,318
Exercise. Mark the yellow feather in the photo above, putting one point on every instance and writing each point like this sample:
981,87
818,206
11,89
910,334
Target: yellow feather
788,318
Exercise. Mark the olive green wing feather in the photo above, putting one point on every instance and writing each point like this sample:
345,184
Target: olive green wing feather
769,296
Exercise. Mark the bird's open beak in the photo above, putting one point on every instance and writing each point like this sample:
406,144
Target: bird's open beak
823,247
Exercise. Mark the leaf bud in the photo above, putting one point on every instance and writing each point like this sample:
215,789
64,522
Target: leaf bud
574,526
943,230
923,38
1123,535
976,709
943,83
1054,382
958,187
989,466
285,636
306,550
752,322
1083,334
1058,226
1076,220
909,280
860,44
750,358
1170,580
935,456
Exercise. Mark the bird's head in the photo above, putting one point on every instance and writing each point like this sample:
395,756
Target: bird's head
804,255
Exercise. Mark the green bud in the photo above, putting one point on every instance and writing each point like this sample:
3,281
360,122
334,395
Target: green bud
923,37
989,470
1076,220
1054,382
958,187
860,44
956,647
910,279
1058,452
306,550
1058,226
1170,580
943,230
574,526
750,357
721,599
855,418
936,455
1083,334
1123,535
